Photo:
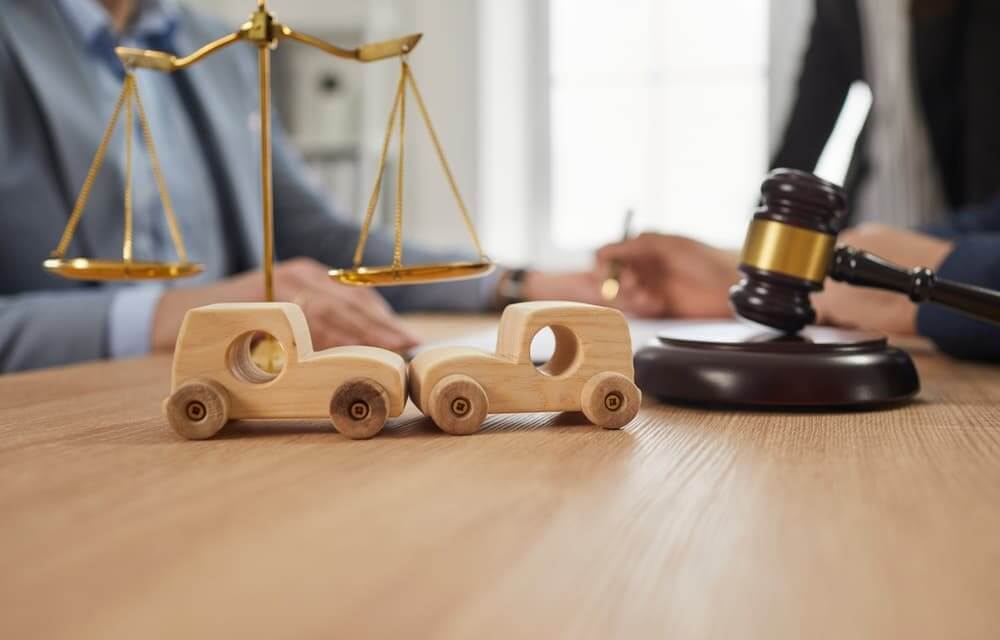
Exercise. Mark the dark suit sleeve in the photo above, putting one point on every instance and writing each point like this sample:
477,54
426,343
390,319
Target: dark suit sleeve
831,64
306,225
45,329
974,260
40,328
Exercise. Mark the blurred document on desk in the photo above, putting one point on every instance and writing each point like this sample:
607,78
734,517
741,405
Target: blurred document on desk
544,343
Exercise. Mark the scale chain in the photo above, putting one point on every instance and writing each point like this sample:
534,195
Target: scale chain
161,184
81,202
399,105
397,248
373,200
129,124
130,101
444,163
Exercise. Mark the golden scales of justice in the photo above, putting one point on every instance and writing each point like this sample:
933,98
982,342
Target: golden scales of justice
265,32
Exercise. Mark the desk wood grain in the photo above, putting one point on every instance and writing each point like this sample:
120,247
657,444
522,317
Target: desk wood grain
687,524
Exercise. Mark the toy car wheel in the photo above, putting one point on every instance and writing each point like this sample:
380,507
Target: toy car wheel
458,405
610,400
198,409
359,408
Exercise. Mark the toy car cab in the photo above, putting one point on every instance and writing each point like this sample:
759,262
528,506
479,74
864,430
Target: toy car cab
215,378
590,370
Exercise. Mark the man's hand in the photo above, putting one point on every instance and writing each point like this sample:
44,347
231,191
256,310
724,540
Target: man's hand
671,276
337,314
859,307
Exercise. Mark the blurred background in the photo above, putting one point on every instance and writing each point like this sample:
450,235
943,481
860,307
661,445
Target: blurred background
556,115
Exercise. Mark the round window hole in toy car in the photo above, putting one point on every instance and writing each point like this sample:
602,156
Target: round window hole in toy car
256,357
555,350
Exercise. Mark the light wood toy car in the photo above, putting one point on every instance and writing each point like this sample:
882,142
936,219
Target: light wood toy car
590,370
216,380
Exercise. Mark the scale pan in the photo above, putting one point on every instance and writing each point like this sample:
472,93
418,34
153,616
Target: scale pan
86,269
420,274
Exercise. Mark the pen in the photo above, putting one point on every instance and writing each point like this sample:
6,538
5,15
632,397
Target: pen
611,285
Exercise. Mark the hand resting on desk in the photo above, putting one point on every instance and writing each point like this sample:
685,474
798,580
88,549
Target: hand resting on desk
337,314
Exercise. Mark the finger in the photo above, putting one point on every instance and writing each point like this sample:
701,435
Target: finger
335,310
366,316
325,337
329,329
647,252
616,251
382,323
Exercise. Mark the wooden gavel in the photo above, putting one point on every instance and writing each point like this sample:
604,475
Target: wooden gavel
790,249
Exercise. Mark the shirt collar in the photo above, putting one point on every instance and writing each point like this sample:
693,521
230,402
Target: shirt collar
91,21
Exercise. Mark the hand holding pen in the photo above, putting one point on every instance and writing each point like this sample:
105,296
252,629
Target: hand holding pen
612,284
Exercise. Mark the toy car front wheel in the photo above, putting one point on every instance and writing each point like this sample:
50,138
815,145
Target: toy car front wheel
198,409
458,405
610,400
359,408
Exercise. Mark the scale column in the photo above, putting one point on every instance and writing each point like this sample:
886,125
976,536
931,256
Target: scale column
266,179
262,34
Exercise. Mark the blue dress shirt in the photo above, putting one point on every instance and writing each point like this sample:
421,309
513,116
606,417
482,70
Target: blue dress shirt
182,157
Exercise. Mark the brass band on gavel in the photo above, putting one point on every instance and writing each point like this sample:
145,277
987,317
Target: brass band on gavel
787,249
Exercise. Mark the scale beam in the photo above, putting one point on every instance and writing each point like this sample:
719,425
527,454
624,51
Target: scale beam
163,61
365,53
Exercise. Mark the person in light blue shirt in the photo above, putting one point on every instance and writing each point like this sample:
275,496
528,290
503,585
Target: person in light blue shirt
59,79
186,170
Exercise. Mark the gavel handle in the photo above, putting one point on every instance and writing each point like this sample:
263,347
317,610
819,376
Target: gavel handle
921,285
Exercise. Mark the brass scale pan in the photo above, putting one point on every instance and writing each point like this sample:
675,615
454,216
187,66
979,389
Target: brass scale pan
89,269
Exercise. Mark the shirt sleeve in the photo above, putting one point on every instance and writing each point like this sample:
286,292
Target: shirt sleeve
974,220
130,320
48,328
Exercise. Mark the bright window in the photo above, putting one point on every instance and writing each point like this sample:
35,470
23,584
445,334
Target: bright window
660,106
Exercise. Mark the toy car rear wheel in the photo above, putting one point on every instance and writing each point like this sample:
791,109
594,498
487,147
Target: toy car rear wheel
359,408
610,400
198,409
458,405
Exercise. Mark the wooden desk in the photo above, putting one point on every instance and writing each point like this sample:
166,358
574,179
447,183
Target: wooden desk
687,524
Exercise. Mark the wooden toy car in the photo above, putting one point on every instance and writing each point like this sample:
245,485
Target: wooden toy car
590,370
215,378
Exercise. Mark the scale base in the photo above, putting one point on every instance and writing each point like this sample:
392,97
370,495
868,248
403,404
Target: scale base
737,364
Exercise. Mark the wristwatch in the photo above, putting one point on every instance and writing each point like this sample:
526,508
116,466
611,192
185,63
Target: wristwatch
510,288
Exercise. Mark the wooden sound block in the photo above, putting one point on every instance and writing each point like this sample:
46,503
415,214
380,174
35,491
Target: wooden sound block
216,378
590,370
742,364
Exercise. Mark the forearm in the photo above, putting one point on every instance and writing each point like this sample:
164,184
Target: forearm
974,260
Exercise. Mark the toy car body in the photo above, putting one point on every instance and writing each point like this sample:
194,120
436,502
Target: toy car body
590,370
215,378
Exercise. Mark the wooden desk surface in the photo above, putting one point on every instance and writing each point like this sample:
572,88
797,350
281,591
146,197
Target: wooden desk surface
687,524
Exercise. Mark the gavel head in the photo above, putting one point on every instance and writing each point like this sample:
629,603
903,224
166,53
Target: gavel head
788,249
